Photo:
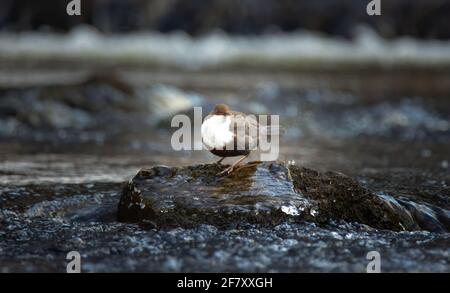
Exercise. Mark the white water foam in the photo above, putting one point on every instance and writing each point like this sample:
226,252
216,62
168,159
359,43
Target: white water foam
219,49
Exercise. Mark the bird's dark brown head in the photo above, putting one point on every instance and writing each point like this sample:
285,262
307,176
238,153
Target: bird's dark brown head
221,109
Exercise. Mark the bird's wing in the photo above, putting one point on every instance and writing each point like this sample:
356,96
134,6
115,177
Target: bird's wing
245,127
241,123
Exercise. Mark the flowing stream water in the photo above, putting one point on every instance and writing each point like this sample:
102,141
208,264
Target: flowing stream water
63,162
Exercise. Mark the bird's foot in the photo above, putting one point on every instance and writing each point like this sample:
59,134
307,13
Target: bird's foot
232,167
227,171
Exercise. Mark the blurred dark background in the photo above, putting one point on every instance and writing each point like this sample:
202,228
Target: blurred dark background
421,18
87,101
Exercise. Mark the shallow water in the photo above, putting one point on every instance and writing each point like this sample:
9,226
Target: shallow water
59,189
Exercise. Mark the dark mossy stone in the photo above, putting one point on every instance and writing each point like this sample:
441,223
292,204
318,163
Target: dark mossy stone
343,198
188,196
265,193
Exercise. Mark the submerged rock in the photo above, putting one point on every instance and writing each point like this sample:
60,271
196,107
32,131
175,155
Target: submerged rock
265,193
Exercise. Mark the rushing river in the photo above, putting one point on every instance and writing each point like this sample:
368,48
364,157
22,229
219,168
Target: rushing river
67,145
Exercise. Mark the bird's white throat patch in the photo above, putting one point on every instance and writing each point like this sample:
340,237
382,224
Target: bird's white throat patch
216,131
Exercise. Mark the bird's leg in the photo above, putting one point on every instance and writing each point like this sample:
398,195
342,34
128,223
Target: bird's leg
220,161
231,168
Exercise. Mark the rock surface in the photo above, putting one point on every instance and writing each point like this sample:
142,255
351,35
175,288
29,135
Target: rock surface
259,193
188,196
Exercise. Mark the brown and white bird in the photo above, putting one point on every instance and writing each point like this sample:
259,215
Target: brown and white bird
227,133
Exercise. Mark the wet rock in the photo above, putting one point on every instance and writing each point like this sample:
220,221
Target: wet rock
340,197
259,193
193,195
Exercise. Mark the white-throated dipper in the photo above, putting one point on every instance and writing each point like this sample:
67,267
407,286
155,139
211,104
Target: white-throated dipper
227,133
